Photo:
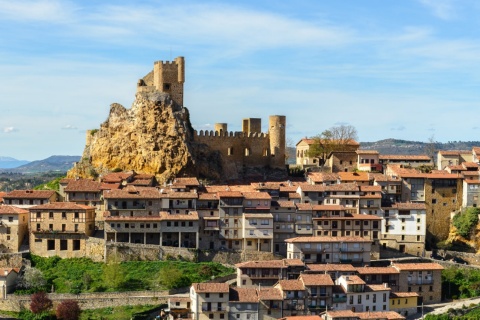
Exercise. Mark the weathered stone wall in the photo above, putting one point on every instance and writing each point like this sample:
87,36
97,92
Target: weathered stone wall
133,251
11,260
232,257
95,249
438,213
91,300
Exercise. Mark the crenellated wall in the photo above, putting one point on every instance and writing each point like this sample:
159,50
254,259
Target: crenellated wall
252,149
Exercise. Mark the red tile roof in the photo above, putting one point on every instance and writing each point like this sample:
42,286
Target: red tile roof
326,239
270,294
12,210
312,279
332,267
206,287
83,185
377,270
61,206
29,194
291,285
192,215
417,266
245,295
131,192
256,195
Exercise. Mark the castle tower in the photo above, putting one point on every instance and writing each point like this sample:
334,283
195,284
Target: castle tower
169,77
251,125
276,132
221,128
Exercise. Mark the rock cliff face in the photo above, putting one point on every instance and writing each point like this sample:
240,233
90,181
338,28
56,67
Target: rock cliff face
155,137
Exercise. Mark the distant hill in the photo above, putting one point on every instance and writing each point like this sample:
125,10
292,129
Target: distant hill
395,146
8,162
53,163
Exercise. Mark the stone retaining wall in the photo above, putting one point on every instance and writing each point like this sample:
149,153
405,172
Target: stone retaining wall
91,300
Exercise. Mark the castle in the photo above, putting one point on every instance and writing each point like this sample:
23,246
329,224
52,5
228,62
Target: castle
248,148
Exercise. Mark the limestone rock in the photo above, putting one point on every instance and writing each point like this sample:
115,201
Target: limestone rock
154,136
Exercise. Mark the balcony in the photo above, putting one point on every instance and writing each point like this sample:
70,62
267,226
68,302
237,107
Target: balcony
356,250
140,206
339,299
216,309
419,281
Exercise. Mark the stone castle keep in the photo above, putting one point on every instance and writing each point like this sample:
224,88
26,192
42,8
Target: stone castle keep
155,136
250,147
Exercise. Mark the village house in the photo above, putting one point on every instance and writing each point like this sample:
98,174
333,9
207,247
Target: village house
13,227
293,294
270,303
8,279
60,229
368,160
355,250
283,224
410,160
209,301
318,289
29,198
447,158
209,220
404,303
243,304
267,273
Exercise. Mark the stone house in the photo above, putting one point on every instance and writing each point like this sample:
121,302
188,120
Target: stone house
319,288
60,229
29,198
209,301
370,199
13,227
133,229
179,229
368,160
380,275
350,315
243,304
270,303
404,303
267,273
132,201
180,307
231,220
294,295
409,160
404,228
207,209
303,219
8,280
453,157
283,224
355,250
423,278
334,270
362,297
86,192
471,193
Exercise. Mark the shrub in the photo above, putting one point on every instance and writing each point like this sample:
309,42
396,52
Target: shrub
68,310
466,221
40,303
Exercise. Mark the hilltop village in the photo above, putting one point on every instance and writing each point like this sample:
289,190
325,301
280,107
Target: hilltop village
304,246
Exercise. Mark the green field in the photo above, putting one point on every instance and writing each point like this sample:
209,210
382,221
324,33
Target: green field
83,275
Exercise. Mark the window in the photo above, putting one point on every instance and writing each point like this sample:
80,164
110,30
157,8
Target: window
207,295
63,245
50,215
210,316
76,245
51,244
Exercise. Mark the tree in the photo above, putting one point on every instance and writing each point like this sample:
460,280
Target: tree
40,303
430,147
68,310
113,274
170,277
32,278
334,139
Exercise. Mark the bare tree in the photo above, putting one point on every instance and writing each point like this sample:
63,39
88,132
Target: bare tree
334,139
431,147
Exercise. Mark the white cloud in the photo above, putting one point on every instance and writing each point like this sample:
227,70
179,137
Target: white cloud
69,127
443,9
9,129
43,10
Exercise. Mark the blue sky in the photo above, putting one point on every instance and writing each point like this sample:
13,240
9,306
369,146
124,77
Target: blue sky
393,69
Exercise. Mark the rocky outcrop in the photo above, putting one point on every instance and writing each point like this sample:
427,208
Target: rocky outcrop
155,137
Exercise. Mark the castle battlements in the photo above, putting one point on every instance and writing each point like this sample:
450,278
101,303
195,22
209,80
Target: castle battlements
230,134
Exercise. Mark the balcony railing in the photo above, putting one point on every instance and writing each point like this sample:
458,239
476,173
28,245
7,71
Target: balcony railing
141,206
352,249
339,299
214,309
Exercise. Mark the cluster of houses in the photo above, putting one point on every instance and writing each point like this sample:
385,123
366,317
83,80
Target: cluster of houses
328,226
290,288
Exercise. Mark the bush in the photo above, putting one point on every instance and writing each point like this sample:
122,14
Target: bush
68,310
466,221
40,303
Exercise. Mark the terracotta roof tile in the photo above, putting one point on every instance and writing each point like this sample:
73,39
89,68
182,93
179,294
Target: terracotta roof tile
29,194
304,206
312,188
189,182
376,287
83,185
210,287
207,196
246,295
283,204
256,195
454,152
12,210
131,192
405,157
192,215
353,176
409,206
377,270
230,194
274,264
367,151
178,195
353,279
312,279
61,206
403,294
342,187
291,285
375,315
332,267
326,239
417,266
270,294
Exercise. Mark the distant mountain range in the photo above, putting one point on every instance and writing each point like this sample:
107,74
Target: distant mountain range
53,163
8,162
395,146
386,146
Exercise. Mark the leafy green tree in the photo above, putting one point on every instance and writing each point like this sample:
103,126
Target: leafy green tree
334,139
113,274
170,277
